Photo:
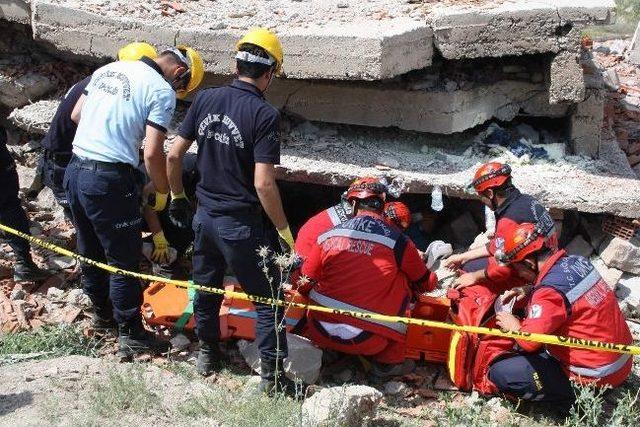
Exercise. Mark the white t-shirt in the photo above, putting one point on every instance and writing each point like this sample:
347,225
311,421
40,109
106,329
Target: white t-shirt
122,98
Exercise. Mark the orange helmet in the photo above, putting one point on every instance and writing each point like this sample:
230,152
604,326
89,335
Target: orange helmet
366,188
490,175
398,213
519,242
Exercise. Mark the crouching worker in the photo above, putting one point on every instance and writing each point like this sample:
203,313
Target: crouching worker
364,265
569,299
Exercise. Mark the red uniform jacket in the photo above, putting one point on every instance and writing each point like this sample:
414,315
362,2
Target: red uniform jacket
517,209
366,265
570,299
316,225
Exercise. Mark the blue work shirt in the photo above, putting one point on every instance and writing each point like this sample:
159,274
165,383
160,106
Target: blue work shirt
122,98
235,128
62,131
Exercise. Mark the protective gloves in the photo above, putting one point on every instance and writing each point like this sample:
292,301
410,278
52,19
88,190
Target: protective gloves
157,201
286,239
180,212
160,252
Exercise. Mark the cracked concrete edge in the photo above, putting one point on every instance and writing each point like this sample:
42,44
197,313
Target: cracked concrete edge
392,47
16,11
307,52
617,196
512,28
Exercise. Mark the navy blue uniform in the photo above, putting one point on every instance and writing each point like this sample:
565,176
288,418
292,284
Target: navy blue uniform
58,142
235,128
11,212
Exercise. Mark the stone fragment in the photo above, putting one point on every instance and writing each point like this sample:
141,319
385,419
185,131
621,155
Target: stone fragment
628,293
579,246
180,341
303,364
78,297
610,275
394,388
17,294
54,293
586,125
621,254
349,406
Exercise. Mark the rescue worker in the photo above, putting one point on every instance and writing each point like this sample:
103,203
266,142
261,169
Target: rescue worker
398,214
124,102
492,181
569,299
319,223
364,264
166,235
238,148
58,141
13,215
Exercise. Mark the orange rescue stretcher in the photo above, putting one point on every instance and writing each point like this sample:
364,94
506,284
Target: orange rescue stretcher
169,306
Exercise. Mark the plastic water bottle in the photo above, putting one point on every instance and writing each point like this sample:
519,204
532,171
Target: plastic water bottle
489,220
436,199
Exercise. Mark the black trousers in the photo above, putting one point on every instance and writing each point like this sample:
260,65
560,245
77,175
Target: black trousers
536,377
12,214
233,239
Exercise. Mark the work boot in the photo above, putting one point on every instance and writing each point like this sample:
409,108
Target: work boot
210,359
102,320
273,383
381,372
25,270
133,338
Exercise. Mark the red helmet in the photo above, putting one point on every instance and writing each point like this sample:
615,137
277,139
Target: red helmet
398,213
518,242
491,175
367,188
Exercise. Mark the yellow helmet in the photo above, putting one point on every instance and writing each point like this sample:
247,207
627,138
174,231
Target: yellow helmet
136,50
268,41
195,70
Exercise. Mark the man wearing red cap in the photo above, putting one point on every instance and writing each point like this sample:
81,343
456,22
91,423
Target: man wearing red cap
569,299
364,265
492,182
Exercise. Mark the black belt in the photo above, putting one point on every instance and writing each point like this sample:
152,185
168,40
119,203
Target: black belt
58,157
96,165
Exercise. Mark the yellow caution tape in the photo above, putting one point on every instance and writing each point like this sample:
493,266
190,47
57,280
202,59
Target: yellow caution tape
525,336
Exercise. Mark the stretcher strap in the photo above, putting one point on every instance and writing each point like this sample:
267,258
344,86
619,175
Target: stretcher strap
188,311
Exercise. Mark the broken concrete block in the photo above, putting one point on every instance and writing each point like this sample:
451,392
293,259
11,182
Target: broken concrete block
579,246
343,406
610,275
17,91
15,11
567,78
628,292
303,364
586,125
621,254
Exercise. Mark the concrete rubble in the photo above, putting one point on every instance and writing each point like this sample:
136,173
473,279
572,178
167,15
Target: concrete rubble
345,406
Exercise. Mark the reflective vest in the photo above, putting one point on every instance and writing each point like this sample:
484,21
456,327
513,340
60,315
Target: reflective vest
592,314
316,225
365,265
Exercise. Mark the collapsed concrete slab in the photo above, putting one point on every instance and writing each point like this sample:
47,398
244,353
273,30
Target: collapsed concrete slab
572,183
511,28
385,48
15,11
438,110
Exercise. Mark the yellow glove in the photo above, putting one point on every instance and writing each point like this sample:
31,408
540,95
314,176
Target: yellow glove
160,252
157,201
286,239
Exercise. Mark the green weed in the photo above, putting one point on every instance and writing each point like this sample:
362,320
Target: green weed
46,342
120,391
